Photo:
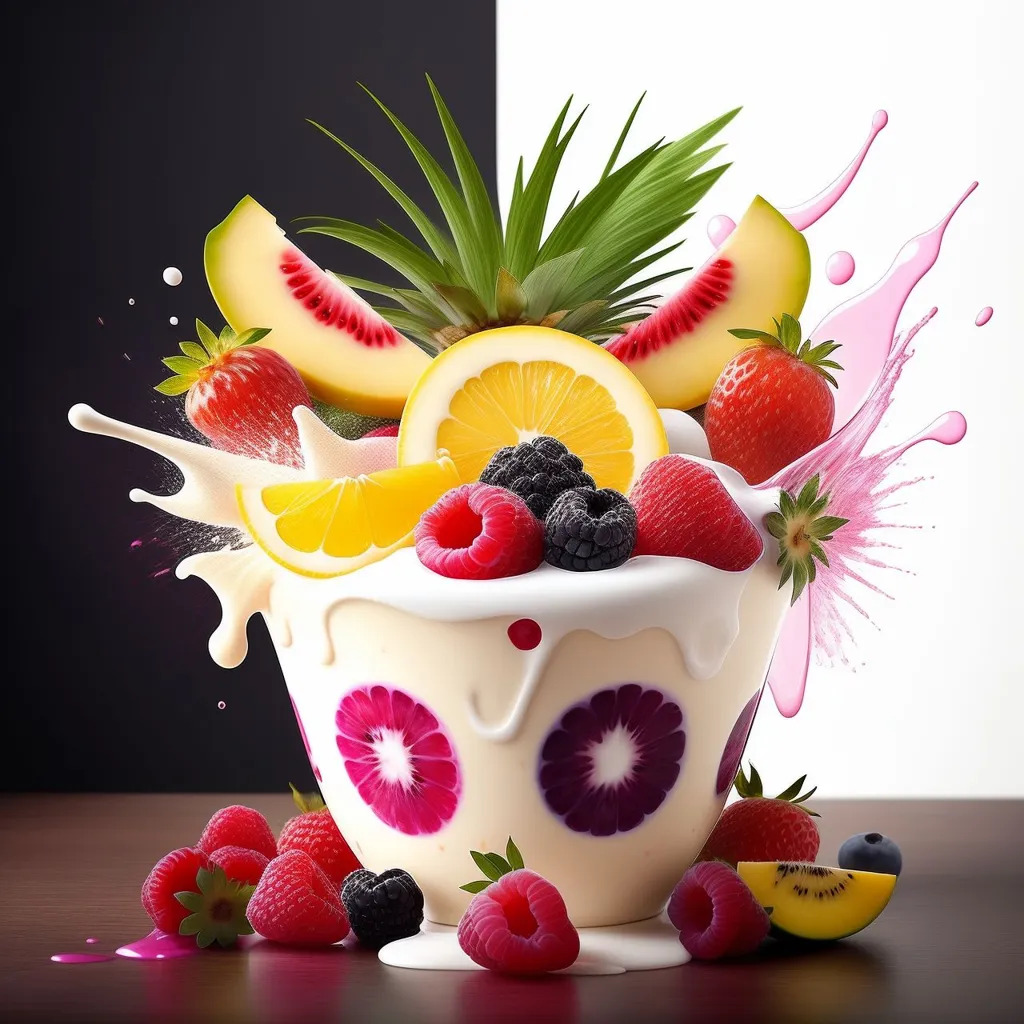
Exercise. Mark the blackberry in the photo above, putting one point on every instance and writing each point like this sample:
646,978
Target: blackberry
382,908
587,529
538,471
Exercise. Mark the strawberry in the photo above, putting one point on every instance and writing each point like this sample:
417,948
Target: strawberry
238,395
170,875
297,904
771,403
759,828
314,832
684,510
238,825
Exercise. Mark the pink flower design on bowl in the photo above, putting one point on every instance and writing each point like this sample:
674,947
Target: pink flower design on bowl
399,757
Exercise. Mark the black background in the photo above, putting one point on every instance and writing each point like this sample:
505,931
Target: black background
134,127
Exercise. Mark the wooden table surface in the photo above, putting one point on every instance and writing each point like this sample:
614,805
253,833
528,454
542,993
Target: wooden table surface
948,948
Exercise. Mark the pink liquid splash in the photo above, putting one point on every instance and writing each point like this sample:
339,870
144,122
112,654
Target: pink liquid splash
80,958
808,213
158,945
866,325
860,492
720,228
983,317
840,267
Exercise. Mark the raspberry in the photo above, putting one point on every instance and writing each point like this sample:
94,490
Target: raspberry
384,907
388,430
587,529
315,833
715,912
240,864
538,471
519,925
297,904
238,826
479,532
174,873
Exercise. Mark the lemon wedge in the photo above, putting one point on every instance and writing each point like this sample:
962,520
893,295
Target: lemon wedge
325,528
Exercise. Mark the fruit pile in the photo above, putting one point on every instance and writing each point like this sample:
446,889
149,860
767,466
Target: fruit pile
535,503
755,876
305,887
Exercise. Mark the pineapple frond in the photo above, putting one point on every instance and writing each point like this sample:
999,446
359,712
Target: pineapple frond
473,271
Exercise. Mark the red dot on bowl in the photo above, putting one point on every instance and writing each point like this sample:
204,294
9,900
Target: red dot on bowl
525,634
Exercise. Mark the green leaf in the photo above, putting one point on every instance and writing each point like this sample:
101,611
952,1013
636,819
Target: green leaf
573,231
756,786
544,284
481,209
525,225
475,887
745,334
191,925
786,504
503,867
453,205
809,492
252,336
205,878
360,284
173,386
194,351
471,311
791,791
806,796
412,263
824,526
208,338
509,297
439,245
789,332
775,524
512,854
182,364
190,900
486,866
584,317
621,139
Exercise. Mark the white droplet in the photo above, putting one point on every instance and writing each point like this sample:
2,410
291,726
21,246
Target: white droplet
172,276
221,705
173,321
131,302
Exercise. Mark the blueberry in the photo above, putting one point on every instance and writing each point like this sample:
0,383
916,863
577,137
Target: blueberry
871,851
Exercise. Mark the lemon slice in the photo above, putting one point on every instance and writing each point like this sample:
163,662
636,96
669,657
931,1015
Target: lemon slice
326,528
513,384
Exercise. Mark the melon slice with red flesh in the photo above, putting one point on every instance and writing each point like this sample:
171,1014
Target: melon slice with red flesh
347,354
762,270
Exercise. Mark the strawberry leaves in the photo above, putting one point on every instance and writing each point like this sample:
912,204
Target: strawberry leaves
198,357
217,910
802,531
493,866
753,789
789,336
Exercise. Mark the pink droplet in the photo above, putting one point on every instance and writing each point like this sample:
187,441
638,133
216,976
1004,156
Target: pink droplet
983,317
158,945
91,941
525,634
161,572
840,267
136,544
720,227
221,705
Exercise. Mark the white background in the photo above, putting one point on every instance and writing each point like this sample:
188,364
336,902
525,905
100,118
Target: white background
936,708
